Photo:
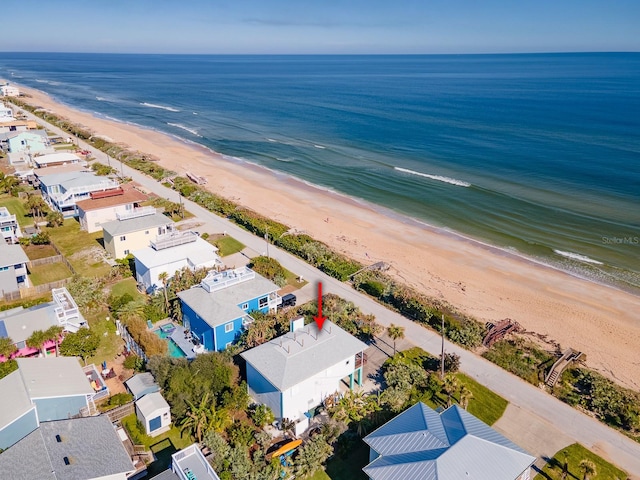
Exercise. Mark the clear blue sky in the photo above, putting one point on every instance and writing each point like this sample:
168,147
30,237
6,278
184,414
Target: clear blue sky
320,26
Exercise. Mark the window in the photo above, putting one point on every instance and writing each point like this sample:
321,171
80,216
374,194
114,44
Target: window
146,232
228,327
245,306
123,238
263,302
126,252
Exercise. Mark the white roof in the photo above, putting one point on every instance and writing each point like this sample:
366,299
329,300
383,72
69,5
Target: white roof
200,253
56,157
296,356
53,377
151,403
14,401
20,324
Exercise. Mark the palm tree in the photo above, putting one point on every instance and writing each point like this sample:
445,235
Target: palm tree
199,417
164,277
37,340
465,396
395,332
7,347
449,386
53,333
37,206
588,468
288,427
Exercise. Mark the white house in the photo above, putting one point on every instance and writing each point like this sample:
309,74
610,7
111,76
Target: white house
17,125
154,413
133,231
9,226
107,206
171,252
294,373
6,114
56,159
9,90
422,444
13,267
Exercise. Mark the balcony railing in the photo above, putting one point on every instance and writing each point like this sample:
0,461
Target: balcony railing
136,212
173,239
218,281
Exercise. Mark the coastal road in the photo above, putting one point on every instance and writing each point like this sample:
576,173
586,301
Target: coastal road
544,413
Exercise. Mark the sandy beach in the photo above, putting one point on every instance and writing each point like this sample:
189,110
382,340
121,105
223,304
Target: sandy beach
491,285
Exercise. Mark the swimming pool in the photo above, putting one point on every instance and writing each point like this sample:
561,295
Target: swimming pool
174,350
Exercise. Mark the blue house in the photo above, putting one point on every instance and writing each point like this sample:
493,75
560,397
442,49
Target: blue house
217,310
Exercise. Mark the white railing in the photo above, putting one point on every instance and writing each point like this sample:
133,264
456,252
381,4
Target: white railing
173,239
218,281
136,212
67,195
67,310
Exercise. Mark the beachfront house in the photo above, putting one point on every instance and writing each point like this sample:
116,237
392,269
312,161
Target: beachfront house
134,230
30,141
217,310
422,444
8,90
17,125
6,114
63,190
294,373
18,323
171,252
45,389
13,267
154,413
109,205
80,448
56,159
9,226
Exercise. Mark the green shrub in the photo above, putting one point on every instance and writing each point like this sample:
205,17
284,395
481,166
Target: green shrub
267,267
373,288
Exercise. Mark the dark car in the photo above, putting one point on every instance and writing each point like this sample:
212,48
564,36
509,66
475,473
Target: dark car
288,300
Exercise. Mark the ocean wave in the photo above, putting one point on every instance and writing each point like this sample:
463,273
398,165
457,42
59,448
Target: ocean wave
190,130
272,140
162,107
48,82
320,147
577,256
439,178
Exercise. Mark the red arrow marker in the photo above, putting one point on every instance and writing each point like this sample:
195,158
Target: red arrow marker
319,319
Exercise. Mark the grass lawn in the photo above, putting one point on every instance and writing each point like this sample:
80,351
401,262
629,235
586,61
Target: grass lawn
83,250
128,285
41,274
350,466
485,404
319,475
110,343
17,208
34,252
575,454
293,279
227,245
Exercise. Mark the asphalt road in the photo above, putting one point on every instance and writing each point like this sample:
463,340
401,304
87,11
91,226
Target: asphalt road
543,409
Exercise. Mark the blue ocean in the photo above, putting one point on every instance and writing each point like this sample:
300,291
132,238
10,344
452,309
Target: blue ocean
536,154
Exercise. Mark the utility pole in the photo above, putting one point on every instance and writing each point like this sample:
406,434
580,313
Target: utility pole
266,237
442,350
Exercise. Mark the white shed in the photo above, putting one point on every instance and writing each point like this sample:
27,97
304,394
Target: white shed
154,413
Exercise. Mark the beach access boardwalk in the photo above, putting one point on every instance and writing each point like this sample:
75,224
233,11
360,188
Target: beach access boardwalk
545,413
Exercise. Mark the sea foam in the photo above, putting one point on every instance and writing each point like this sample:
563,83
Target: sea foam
439,178
190,130
162,107
578,257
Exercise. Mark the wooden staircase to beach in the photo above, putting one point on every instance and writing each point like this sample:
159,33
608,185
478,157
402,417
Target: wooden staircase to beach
499,331
568,356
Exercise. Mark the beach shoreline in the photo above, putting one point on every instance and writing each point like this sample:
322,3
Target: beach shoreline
485,281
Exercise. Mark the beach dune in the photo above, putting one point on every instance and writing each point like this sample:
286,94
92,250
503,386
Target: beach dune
484,282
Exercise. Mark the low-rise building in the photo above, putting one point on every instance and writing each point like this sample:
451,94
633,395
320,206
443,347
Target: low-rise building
171,252
18,324
13,267
134,231
422,444
80,448
56,159
141,384
217,310
154,413
63,190
190,464
8,90
17,125
6,114
30,142
9,226
294,373
106,206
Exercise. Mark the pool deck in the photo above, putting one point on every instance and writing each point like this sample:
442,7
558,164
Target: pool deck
185,345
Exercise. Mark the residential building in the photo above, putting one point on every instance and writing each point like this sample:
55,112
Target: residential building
56,159
294,373
17,125
141,384
106,206
18,324
422,444
63,190
13,267
44,389
190,464
76,449
9,90
217,310
30,142
9,226
134,230
154,413
6,114
171,252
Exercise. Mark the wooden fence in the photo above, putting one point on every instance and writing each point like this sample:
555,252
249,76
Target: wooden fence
33,291
64,260
45,261
118,413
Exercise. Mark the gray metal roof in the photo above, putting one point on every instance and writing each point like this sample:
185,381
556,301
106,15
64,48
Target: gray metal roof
53,376
420,444
8,281
12,255
150,403
142,383
70,179
296,356
14,401
122,227
221,306
91,444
